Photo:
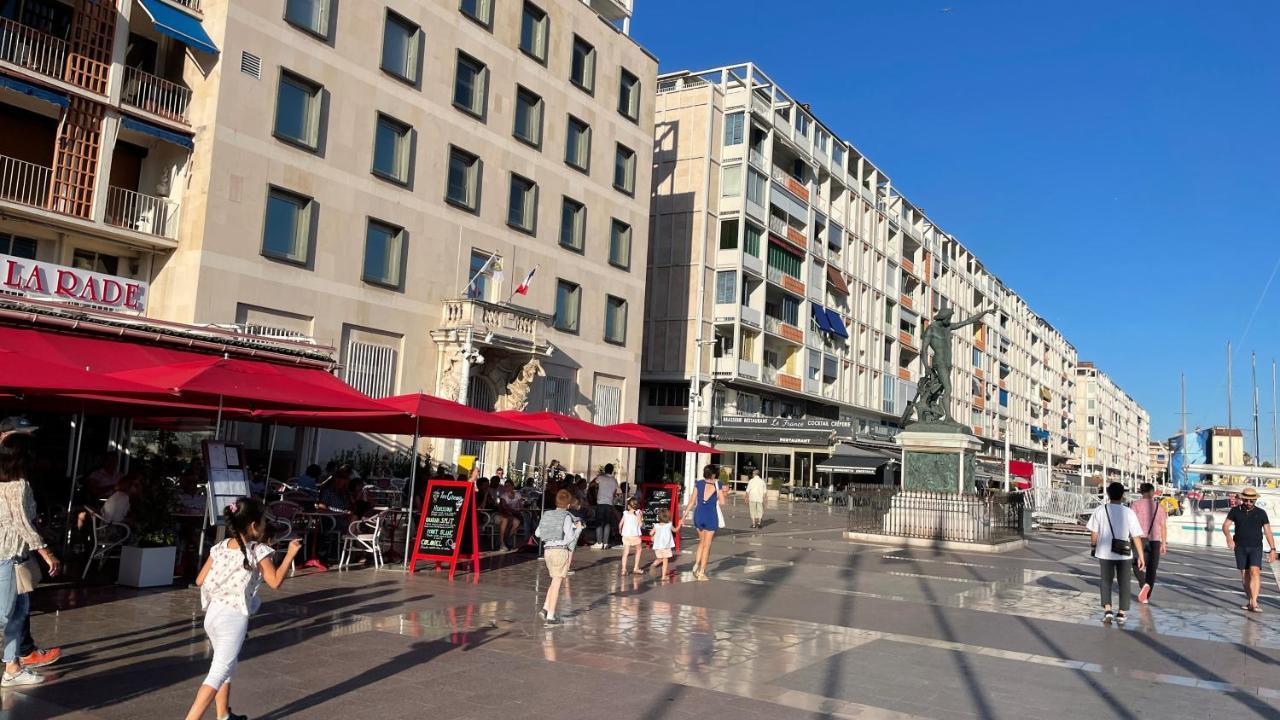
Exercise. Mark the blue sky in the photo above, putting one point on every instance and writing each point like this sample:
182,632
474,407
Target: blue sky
1114,162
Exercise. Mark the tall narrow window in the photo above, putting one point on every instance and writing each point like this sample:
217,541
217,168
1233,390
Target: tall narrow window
401,47
726,287
568,306
522,212
582,65
624,169
309,15
391,149
470,85
577,146
528,125
286,232
298,110
729,234
755,187
615,320
733,128
464,180
383,254
751,240
479,10
482,286
629,95
573,225
534,25
620,244
731,181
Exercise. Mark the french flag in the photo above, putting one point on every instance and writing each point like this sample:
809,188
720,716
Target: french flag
523,289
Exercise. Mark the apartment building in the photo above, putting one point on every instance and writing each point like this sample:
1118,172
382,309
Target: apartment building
1157,461
797,279
337,173
1114,430
1226,447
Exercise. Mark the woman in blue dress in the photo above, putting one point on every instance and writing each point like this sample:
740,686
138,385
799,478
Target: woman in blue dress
704,503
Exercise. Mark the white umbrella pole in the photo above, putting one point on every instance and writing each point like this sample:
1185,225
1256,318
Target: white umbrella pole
413,478
271,455
217,425
77,436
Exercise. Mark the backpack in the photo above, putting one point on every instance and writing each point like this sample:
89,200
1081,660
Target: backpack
551,526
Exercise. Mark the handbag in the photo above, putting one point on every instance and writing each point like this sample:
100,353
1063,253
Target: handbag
27,575
1118,547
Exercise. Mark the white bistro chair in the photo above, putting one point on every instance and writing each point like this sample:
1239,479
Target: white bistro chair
364,536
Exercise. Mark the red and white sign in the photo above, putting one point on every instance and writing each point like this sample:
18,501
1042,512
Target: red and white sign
46,281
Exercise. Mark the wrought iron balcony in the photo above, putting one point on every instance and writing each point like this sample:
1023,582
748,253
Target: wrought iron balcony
144,213
155,95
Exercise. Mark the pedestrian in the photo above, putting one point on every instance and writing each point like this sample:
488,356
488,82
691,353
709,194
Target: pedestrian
1250,523
606,487
756,491
229,583
1153,518
1117,541
664,542
632,520
705,504
558,530
18,538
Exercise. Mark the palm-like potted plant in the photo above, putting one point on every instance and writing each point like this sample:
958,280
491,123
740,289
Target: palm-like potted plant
149,560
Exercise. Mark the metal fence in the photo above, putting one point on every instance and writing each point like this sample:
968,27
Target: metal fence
988,519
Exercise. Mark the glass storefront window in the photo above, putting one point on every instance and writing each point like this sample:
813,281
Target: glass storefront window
778,469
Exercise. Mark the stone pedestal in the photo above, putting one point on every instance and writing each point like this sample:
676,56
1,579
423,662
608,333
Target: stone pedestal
938,461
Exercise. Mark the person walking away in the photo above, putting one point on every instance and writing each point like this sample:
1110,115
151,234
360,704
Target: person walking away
558,531
664,542
229,583
18,537
1250,523
1117,541
630,527
606,487
1153,518
705,504
756,491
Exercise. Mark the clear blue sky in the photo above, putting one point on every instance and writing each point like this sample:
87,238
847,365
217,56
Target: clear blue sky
1116,163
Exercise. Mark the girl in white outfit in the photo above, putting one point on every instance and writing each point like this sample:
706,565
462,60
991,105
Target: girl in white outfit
632,519
229,584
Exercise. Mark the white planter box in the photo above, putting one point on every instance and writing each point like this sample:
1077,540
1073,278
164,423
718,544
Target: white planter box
146,567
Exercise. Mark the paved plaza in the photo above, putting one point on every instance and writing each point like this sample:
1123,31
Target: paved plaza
795,623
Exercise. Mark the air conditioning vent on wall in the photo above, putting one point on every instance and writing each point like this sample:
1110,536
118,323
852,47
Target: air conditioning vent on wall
251,64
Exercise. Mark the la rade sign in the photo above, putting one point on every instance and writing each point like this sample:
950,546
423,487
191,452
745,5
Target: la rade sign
46,281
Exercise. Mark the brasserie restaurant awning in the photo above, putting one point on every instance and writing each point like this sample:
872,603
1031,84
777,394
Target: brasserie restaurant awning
853,460
416,414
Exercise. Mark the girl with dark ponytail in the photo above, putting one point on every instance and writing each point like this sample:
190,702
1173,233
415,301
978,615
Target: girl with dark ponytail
229,583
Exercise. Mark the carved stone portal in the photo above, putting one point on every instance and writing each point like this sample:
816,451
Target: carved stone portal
519,384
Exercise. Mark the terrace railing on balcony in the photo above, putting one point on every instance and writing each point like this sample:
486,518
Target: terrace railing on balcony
143,213
155,95
29,48
192,4
23,182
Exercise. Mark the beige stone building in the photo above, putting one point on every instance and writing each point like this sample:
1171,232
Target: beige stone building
337,172
1114,431
1157,461
1226,447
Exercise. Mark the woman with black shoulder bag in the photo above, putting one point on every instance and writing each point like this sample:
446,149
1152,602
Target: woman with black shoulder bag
1117,539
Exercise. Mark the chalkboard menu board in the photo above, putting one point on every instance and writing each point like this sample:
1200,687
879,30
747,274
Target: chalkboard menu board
659,496
447,527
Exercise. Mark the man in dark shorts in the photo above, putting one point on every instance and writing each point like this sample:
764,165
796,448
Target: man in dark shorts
1250,523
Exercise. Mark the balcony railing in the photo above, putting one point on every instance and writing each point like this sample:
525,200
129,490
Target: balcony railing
155,95
783,329
23,182
191,4
143,213
793,186
29,48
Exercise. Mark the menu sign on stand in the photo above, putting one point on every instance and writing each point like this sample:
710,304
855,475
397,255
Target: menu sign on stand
227,469
659,496
447,527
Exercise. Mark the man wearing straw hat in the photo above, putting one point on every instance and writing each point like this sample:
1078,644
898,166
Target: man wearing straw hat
1250,523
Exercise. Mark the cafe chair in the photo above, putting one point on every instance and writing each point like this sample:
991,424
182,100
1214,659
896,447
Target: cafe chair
281,520
108,538
363,536
488,528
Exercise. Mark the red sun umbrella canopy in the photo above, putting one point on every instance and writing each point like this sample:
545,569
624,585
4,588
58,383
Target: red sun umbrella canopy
21,373
421,414
568,429
660,440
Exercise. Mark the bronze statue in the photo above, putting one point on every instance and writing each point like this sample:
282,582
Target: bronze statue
933,394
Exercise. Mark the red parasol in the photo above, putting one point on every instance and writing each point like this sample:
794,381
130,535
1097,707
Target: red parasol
27,375
417,413
568,429
660,440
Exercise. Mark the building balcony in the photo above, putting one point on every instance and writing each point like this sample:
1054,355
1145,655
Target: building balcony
908,342
751,316
748,369
756,158
906,302
784,380
192,5
494,324
792,185
142,213
787,282
155,95
32,50
783,329
25,183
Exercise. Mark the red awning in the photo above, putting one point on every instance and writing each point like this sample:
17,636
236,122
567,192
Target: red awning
567,429
417,413
25,374
836,280
1021,469
659,440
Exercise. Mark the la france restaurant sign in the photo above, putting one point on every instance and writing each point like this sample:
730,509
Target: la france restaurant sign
46,281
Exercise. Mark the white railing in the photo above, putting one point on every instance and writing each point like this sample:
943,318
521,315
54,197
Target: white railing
778,225
769,374
155,95
29,48
143,213
755,157
24,182
190,4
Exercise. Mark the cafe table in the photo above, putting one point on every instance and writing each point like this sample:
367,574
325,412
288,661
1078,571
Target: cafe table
314,519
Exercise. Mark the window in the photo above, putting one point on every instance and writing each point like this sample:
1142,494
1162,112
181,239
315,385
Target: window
573,225
577,147
790,310
392,141
480,273
286,233
755,187
568,296
528,117
837,154
309,15
780,259
298,110
401,47
470,86
371,368
383,254
731,181
726,287
582,65
728,234
606,403
522,212
751,240
533,32
669,395
624,169
464,180
733,125
620,244
18,246
629,95
95,262
615,320
479,10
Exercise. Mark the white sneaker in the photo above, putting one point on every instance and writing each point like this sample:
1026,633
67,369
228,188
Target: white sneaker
598,546
25,676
